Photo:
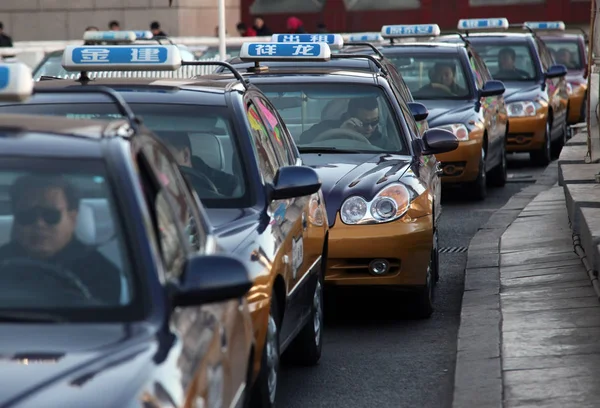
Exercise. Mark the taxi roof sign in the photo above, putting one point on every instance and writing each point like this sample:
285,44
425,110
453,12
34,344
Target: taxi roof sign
143,35
545,25
16,82
121,58
110,36
412,30
360,37
483,24
335,41
285,51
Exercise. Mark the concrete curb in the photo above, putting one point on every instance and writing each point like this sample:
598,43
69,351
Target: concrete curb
478,371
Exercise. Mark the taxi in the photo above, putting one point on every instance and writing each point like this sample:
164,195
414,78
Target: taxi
380,178
373,62
111,277
536,90
455,85
266,206
568,49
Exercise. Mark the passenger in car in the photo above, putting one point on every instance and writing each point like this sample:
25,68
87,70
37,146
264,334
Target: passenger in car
45,211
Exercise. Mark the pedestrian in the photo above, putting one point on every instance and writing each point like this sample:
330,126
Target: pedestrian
91,28
156,30
261,28
5,40
295,26
322,28
244,31
114,26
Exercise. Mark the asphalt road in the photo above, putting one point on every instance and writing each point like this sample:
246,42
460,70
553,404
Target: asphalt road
374,354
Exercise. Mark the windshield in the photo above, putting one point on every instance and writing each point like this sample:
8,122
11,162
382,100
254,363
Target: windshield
62,250
213,53
567,53
347,117
433,76
508,61
201,138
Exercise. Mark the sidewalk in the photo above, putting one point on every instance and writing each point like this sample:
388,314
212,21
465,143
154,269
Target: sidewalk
530,321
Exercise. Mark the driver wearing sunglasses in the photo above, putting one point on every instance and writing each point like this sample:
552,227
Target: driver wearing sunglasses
45,213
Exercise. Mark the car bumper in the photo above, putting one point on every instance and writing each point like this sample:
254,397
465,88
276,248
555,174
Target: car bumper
526,134
576,113
461,165
406,244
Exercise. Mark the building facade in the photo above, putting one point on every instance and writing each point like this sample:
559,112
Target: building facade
37,20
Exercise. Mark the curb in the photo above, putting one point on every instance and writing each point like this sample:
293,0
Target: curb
478,370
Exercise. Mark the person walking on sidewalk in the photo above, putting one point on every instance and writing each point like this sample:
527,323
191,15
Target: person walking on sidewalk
5,40
244,31
295,26
261,28
156,30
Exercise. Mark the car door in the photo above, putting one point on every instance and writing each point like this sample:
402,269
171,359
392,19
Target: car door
553,85
422,125
206,374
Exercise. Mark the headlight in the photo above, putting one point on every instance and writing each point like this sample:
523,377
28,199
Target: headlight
389,204
521,109
460,131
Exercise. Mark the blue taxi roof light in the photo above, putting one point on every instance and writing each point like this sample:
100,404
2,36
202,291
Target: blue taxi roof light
335,41
545,25
285,51
483,24
121,58
362,37
110,36
16,82
412,30
143,35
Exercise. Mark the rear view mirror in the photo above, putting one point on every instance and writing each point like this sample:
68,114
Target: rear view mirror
418,110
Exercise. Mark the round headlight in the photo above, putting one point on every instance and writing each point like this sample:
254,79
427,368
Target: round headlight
384,208
353,210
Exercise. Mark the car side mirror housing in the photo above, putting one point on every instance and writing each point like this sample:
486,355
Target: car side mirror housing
492,88
211,278
556,71
437,141
294,181
418,110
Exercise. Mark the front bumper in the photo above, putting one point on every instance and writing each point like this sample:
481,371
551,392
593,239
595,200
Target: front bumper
405,243
526,134
576,113
461,165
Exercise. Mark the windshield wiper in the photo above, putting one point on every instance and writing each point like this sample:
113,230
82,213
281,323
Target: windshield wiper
326,150
30,317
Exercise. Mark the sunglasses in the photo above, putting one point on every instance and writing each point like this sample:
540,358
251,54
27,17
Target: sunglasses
51,216
372,123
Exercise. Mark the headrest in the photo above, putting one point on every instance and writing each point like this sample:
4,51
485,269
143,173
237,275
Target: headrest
94,222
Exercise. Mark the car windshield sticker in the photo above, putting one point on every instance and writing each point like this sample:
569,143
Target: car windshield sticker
271,120
297,255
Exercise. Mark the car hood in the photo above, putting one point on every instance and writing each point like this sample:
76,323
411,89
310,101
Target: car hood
447,111
64,365
521,91
345,175
233,225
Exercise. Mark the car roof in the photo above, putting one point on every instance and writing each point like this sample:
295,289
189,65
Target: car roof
88,128
333,64
304,75
504,36
424,47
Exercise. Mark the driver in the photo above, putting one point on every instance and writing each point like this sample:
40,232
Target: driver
362,117
443,73
45,212
506,65
181,147
564,57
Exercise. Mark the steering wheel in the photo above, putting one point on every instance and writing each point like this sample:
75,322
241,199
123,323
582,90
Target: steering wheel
70,284
441,87
199,177
339,133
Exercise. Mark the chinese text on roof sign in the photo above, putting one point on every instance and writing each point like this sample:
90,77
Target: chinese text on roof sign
365,37
285,51
335,41
483,24
415,30
545,25
131,57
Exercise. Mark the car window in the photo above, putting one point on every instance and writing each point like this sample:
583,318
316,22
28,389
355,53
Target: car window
63,241
278,136
476,72
262,147
201,137
399,84
431,76
345,116
517,61
566,53
482,69
545,56
51,66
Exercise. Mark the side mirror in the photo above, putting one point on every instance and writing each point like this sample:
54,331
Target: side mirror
294,181
212,278
556,71
437,141
492,88
418,110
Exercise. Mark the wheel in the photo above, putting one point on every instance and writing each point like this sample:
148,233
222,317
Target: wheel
499,175
306,348
265,387
436,256
558,145
424,296
543,156
478,188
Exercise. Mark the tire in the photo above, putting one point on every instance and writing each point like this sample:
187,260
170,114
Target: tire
425,295
265,387
305,349
246,398
499,174
543,156
558,145
478,188
436,255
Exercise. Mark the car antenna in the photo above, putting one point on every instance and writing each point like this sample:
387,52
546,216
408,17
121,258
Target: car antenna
227,65
462,37
523,27
365,44
369,57
123,107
